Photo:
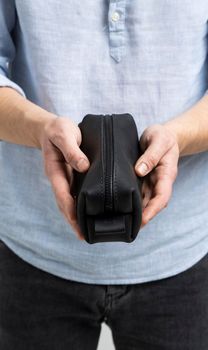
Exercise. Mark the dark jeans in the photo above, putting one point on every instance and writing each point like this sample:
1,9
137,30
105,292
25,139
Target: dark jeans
39,311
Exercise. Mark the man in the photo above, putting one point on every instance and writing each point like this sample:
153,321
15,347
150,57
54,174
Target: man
60,60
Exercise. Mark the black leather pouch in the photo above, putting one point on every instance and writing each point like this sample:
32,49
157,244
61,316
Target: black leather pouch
108,195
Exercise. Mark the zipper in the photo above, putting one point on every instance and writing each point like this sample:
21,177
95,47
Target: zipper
108,162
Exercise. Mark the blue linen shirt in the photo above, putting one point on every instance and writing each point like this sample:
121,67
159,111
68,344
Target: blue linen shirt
144,57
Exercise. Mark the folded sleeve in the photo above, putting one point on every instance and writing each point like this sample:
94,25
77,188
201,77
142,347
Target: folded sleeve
7,47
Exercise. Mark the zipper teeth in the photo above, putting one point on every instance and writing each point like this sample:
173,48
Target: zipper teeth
108,163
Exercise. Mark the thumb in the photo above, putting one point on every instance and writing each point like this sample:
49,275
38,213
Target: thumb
149,159
73,154
75,157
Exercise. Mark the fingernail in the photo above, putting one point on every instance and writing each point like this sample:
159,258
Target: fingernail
142,168
82,164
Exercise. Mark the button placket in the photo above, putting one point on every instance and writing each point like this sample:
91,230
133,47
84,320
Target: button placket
116,22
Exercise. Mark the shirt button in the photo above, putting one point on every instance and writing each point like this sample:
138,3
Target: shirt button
115,16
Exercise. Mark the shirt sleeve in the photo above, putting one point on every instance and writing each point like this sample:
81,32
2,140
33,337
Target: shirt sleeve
7,47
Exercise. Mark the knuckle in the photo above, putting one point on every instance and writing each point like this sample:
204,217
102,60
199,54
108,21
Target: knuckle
159,206
62,197
56,131
165,204
57,138
165,200
145,139
71,220
60,205
151,161
145,221
70,156
50,126
172,173
157,132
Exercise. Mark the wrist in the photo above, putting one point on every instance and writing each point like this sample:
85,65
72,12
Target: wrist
191,129
21,121
37,118
176,128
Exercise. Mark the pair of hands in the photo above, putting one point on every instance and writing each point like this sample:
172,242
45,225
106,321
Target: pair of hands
60,141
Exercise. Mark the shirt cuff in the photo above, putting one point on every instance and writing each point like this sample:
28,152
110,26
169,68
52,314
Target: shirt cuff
6,82
206,93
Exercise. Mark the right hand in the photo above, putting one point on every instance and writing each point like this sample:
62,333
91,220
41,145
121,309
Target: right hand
60,141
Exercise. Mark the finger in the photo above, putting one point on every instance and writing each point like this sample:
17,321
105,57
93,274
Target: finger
151,157
69,174
146,193
72,153
162,194
64,199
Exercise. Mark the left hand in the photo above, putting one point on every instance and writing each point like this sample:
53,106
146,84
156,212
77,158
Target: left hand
159,165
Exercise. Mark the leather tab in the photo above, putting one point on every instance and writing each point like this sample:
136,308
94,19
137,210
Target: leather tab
110,225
